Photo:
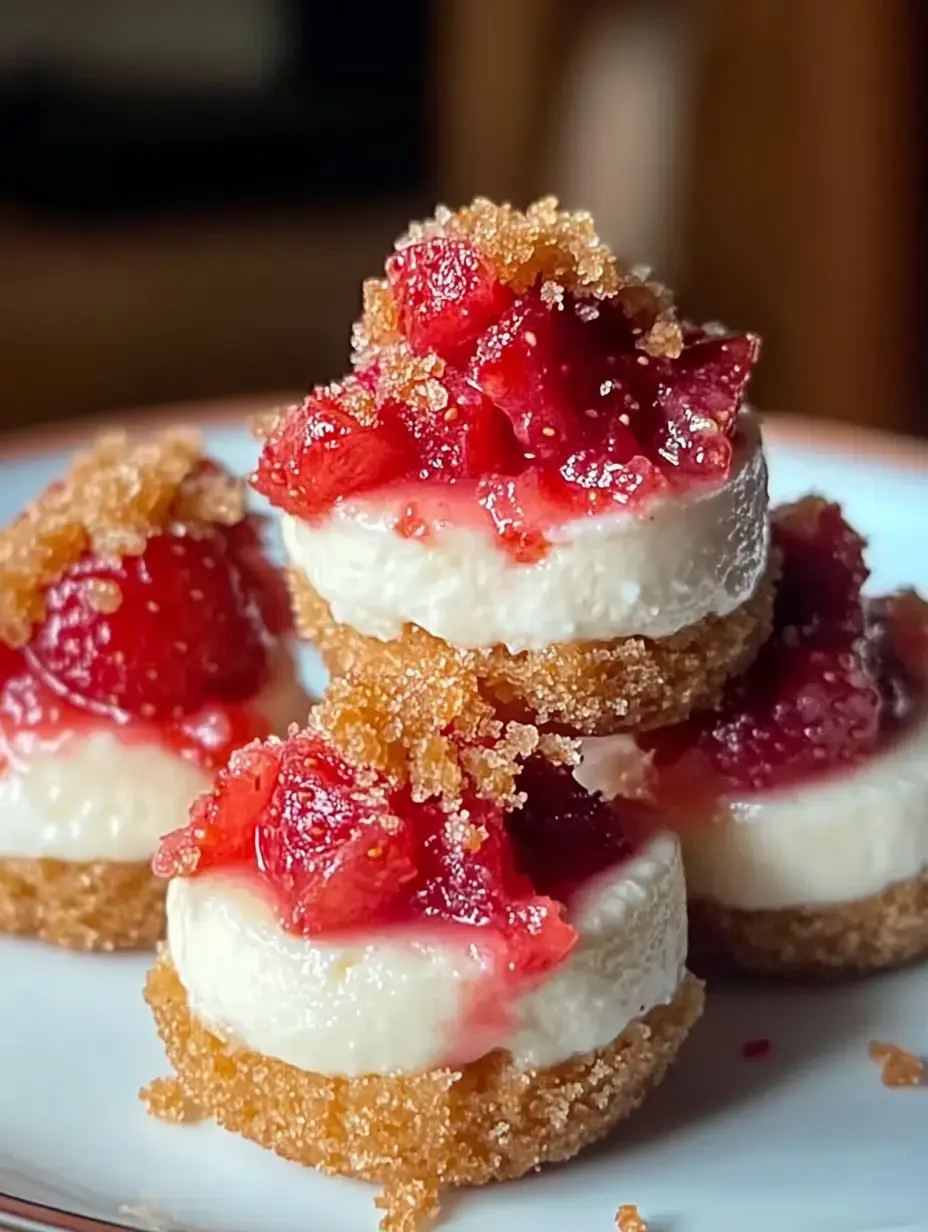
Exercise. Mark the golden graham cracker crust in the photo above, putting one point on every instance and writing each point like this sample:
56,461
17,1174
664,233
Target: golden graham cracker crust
100,905
577,688
872,934
416,1134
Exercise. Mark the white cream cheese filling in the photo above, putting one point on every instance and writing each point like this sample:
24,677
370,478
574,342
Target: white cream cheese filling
847,837
838,839
395,1002
90,795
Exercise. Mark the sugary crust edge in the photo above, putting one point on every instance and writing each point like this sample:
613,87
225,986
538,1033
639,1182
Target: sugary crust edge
82,906
416,1135
886,930
582,688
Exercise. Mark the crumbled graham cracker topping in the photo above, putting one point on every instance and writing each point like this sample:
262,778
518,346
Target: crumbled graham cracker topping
628,1219
544,244
379,324
900,1068
413,379
113,497
435,731
544,241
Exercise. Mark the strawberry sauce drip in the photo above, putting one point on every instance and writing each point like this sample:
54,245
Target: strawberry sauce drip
841,677
338,856
35,719
537,409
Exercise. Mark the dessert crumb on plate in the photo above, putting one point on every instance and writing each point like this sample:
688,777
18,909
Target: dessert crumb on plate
900,1068
628,1219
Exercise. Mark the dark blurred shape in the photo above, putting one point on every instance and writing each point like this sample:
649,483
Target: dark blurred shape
135,104
191,191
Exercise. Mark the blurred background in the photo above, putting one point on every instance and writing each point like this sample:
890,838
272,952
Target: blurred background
192,190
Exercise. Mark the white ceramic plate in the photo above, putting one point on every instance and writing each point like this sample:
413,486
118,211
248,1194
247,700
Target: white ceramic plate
805,1140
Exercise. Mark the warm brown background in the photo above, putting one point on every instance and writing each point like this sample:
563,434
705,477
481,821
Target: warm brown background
764,154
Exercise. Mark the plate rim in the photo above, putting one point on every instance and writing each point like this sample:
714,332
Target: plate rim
781,429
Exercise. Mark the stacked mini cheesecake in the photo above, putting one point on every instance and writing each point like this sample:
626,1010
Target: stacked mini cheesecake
610,573
439,937
143,637
802,798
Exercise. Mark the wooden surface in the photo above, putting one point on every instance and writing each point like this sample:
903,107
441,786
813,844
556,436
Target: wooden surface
801,218
797,210
117,315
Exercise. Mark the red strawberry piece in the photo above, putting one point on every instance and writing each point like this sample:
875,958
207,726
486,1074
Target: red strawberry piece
823,569
447,294
816,697
221,831
519,365
564,835
568,376
321,452
333,856
698,396
260,576
11,663
467,437
156,635
481,884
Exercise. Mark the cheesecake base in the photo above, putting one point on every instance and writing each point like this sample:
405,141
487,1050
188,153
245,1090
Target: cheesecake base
415,1134
872,934
100,905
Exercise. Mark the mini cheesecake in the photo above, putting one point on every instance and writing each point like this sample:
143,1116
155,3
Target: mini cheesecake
413,992
535,471
143,636
802,800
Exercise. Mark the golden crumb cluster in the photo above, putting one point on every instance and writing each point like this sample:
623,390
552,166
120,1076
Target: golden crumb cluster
414,1134
900,1068
543,243
112,498
628,1219
433,730
558,249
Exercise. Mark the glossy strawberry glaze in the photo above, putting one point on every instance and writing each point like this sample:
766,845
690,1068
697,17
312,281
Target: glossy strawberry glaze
175,660
340,861
841,678
540,411
35,720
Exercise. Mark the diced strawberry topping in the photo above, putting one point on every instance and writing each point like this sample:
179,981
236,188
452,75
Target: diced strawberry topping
834,682
698,397
222,822
321,452
524,363
563,835
158,635
260,578
336,854
447,294
543,387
